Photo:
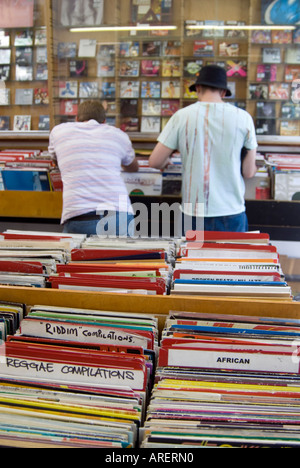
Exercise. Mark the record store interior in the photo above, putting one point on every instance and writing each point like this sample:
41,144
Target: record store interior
150,226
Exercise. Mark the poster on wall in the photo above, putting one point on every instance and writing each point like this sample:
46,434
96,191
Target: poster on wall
280,12
16,13
151,11
81,12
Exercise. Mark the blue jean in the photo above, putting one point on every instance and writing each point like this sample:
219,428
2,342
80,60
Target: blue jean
232,223
112,223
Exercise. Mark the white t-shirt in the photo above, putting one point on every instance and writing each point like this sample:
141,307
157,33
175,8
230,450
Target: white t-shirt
89,157
210,137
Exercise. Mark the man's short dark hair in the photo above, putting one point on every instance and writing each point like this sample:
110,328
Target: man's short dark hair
91,110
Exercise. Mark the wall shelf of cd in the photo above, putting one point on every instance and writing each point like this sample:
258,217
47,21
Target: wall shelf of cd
140,57
24,97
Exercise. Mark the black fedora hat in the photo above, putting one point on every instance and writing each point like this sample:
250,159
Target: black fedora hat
214,76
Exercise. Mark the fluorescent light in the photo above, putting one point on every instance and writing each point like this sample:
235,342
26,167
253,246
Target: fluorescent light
245,27
141,27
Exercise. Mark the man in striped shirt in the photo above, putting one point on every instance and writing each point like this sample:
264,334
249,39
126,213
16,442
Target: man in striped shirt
90,155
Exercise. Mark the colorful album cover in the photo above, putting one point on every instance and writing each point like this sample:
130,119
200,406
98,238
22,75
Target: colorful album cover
24,97
41,72
236,68
289,127
41,55
87,48
24,73
150,124
107,51
151,11
266,72
169,107
24,38
290,110
228,49
187,94
265,127
111,107
151,107
238,33
78,68
129,49
40,37
171,48
108,90
231,85
44,122
5,56
261,37
151,48
4,39
129,89
88,89
4,96
129,107
291,73
24,56
258,91
170,89
150,67
4,122
22,123
105,68
204,48
292,55
68,89
193,29
282,37
280,12
266,109
66,50
279,91
41,96
129,68
170,68
213,28
150,89
4,72
271,55
295,91
296,36
192,67
129,124
69,107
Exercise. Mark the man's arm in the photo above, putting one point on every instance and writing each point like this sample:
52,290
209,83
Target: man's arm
248,165
133,167
159,157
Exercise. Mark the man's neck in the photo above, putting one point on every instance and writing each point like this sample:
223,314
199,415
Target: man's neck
210,96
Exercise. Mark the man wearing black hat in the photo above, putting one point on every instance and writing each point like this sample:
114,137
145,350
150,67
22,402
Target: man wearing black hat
210,135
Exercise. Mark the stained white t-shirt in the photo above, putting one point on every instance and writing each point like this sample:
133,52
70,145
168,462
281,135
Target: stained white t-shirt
209,137
89,156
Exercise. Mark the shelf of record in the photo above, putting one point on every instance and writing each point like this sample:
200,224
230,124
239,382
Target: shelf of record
147,343
24,78
33,170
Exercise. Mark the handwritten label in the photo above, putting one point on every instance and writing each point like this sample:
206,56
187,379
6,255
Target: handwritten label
81,333
72,373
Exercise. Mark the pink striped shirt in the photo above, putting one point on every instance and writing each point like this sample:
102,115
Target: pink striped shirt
89,156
